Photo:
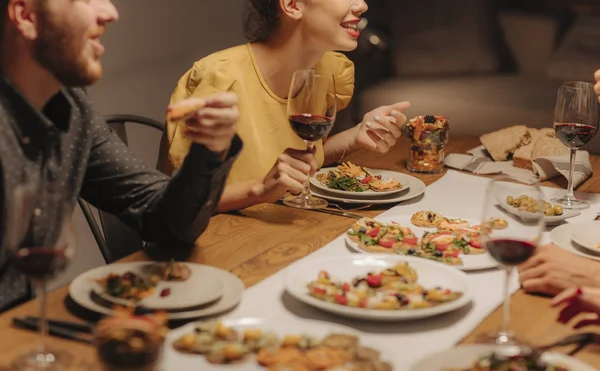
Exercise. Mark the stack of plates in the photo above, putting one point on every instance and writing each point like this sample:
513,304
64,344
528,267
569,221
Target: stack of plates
207,291
411,188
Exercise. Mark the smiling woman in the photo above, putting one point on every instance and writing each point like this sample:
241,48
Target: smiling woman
284,36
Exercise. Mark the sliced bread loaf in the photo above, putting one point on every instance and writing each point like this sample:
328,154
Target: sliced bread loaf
500,144
549,146
522,157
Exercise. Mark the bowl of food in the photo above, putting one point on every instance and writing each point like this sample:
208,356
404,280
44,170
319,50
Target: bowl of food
130,342
427,136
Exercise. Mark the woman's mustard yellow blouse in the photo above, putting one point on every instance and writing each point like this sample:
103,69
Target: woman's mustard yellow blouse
263,124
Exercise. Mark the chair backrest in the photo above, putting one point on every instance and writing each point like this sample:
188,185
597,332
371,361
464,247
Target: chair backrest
114,238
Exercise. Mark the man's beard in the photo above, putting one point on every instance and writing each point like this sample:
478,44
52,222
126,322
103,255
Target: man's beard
60,51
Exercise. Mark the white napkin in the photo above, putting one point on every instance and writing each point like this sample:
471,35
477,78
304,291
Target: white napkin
478,161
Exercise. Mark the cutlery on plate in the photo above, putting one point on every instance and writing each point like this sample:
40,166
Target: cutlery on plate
53,330
582,340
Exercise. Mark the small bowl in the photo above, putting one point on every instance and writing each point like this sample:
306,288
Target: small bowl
130,343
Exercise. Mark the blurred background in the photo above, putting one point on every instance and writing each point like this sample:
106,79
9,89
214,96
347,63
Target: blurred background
486,64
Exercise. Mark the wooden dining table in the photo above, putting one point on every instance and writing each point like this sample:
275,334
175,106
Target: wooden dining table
259,241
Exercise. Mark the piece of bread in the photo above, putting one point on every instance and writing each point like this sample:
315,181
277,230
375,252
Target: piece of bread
522,157
185,108
549,146
500,144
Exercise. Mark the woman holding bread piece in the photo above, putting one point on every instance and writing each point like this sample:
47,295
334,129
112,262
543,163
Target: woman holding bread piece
284,36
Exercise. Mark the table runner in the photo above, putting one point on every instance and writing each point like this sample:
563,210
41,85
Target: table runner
455,194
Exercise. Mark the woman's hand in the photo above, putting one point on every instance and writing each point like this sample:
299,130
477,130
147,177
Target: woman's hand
579,301
289,173
380,128
552,270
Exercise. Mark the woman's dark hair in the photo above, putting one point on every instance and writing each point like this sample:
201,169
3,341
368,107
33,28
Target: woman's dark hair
261,19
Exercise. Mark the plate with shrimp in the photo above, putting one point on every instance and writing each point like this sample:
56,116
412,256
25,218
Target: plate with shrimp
353,180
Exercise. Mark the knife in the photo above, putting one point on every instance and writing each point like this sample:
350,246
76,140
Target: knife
73,326
53,330
338,213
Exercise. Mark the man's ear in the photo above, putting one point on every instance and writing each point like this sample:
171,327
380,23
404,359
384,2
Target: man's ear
292,8
22,15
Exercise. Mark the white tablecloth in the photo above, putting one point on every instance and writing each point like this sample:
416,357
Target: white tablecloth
456,194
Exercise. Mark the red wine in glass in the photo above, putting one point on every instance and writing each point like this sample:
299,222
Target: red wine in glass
41,263
574,135
311,127
510,251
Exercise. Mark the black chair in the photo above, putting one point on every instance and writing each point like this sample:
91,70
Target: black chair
114,238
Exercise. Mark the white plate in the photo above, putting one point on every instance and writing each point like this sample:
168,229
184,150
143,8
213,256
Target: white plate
416,188
472,262
561,236
587,235
174,360
82,287
200,288
431,274
385,174
549,220
464,356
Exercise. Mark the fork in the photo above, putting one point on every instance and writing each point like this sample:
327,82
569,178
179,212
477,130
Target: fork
362,207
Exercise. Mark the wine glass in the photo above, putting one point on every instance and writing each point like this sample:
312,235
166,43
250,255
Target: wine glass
311,110
40,250
575,124
513,242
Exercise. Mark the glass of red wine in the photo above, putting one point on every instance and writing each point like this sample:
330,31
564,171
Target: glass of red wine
511,228
40,250
311,110
575,124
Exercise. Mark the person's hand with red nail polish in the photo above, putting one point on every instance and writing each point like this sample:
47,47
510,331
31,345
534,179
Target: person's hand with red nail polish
576,301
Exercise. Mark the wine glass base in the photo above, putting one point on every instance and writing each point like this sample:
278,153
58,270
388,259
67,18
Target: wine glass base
49,360
571,203
501,338
305,202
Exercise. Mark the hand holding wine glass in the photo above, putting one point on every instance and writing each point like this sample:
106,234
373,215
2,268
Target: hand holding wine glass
289,173
575,124
311,111
515,243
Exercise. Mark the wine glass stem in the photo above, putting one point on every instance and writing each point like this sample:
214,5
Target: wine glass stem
305,191
570,194
40,286
506,308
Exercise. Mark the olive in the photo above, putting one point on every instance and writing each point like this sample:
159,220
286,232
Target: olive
412,252
549,212
516,203
558,210
509,200
438,254
362,230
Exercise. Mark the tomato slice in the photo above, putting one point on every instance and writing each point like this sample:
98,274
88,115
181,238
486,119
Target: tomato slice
319,291
373,233
341,299
475,242
452,253
411,240
346,287
386,243
442,246
374,280
367,179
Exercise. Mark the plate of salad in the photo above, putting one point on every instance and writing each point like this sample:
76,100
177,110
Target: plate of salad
352,180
